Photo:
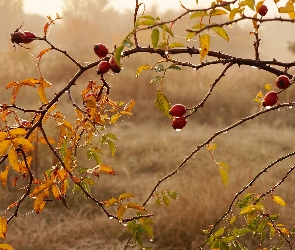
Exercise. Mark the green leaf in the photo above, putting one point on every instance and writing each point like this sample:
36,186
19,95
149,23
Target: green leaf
159,68
155,37
197,14
224,176
166,201
232,13
172,194
167,29
221,31
252,208
238,246
146,22
142,68
127,42
204,45
112,147
176,45
118,54
189,36
239,232
162,103
174,67
219,232
147,17
155,79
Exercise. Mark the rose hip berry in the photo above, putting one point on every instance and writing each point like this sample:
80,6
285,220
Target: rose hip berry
101,50
178,123
177,110
18,37
29,36
283,82
103,67
114,66
270,99
262,10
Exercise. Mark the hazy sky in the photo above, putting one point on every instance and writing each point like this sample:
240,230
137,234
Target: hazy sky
50,7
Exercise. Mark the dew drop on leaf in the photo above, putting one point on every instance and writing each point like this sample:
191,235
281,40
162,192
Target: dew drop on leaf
188,40
124,224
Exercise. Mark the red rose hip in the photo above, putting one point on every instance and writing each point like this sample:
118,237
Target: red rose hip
177,110
283,82
270,99
262,10
103,67
113,65
18,37
101,50
178,123
30,36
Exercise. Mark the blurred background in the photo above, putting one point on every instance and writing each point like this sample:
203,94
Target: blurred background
148,148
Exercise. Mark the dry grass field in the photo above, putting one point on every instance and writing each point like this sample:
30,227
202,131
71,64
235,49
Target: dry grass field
148,148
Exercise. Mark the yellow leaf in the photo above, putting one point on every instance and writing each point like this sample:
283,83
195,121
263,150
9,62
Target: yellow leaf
204,45
3,176
3,227
142,68
252,208
4,145
13,161
111,202
125,196
5,247
254,22
39,202
17,131
68,159
135,206
56,192
68,125
114,118
284,231
62,174
129,105
120,211
267,87
224,176
106,169
221,31
3,135
41,94
232,13
279,200
212,146
24,143
42,140
217,12
41,187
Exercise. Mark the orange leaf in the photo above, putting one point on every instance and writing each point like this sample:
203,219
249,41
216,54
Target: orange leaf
46,26
3,227
114,118
106,169
136,206
3,176
45,83
62,174
128,107
41,94
3,135
42,140
68,159
43,52
4,145
43,186
29,81
39,203
111,202
14,180
125,196
55,192
13,161
120,211
68,125
17,131
11,84
5,247
25,144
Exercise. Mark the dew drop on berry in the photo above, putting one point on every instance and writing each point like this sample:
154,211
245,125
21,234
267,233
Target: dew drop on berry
178,129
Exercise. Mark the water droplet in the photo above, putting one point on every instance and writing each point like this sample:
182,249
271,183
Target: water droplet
151,239
111,217
290,107
178,129
190,12
254,67
188,40
225,132
166,52
124,224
